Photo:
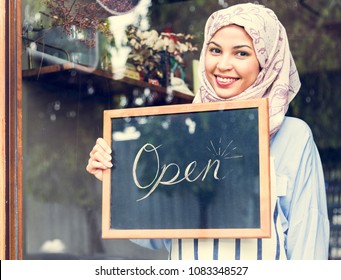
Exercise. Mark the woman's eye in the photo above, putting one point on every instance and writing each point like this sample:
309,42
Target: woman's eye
215,50
240,53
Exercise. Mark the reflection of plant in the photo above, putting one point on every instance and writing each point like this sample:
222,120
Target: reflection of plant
148,47
78,15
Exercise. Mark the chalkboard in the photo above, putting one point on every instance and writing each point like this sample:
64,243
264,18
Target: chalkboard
188,171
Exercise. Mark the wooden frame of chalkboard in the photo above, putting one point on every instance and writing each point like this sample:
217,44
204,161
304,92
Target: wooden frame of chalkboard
188,171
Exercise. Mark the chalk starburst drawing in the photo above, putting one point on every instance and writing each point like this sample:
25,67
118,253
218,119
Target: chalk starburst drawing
225,152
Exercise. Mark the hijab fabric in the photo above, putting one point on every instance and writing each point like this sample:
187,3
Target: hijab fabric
278,79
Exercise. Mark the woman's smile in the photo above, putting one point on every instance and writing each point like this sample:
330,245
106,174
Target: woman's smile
225,81
231,63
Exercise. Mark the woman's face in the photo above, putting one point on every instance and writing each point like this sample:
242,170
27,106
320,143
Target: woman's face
230,62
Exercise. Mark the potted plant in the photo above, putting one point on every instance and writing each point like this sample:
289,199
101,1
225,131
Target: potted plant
156,55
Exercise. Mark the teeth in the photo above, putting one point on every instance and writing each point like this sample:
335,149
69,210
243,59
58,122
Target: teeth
225,80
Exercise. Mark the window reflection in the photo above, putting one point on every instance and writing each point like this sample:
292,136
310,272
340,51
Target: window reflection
71,74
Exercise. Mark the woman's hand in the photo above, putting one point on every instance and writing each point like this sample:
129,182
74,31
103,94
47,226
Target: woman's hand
100,159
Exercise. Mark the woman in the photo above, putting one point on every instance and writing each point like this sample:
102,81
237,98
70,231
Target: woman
246,55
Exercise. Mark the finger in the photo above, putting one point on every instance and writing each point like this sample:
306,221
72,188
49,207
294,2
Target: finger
95,168
100,154
98,160
100,164
104,145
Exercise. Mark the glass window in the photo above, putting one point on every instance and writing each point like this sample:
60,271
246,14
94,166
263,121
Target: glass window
81,57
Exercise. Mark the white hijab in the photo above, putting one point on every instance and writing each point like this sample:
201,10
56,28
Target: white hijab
278,80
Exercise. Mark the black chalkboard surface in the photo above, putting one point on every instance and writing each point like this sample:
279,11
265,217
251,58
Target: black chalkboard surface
188,171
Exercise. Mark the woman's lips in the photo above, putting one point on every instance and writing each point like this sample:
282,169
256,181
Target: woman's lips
225,81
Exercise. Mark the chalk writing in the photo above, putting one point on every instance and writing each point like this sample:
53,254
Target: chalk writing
226,153
161,172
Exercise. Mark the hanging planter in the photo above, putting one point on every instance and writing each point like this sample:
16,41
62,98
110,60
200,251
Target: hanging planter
118,7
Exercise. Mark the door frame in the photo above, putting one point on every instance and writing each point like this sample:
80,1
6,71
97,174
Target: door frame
11,131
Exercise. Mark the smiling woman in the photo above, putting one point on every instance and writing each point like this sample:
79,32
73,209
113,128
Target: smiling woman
246,55
231,62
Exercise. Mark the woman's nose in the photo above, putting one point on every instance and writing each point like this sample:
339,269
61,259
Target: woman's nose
224,64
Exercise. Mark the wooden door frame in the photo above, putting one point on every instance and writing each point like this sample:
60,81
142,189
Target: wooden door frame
2,132
11,131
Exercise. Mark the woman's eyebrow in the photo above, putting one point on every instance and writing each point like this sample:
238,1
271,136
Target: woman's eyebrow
214,43
234,47
242,46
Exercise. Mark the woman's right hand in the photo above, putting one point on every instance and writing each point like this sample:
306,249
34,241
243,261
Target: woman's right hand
100,159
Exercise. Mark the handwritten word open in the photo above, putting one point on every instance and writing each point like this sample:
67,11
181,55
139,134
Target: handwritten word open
160,172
